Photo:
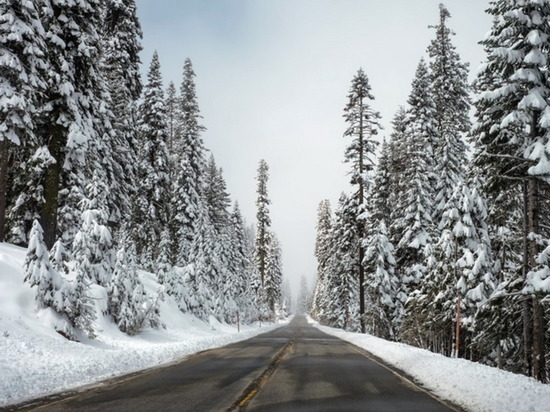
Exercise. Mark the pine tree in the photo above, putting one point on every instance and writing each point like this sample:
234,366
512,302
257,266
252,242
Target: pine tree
121,39
516,50
322,254
189,166
171,103
240,266
273,277
23,68
381,284
151,209
263,221
449,87
363,126
38,270
414,225
73,116
341,306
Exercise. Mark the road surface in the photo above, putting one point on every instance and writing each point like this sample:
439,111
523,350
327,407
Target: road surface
293,368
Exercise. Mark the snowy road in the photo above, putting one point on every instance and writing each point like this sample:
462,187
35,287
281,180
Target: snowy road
293,368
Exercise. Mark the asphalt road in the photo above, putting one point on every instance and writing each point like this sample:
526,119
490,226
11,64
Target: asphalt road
293,368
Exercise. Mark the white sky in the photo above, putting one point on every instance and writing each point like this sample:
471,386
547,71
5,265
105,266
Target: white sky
272,80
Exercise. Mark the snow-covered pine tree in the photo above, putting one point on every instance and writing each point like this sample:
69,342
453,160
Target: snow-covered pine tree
205,270
362,126
263,223
92,247
449,88
189,165
273,277
128,304
240,266
151,208
398,159
520,118
121,39
342,309
172,107
73,115
322,254
23,66
38,270
414,225
381,285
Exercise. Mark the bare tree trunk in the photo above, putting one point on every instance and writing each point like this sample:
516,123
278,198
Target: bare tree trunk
526,306
52,178
4,145
538,350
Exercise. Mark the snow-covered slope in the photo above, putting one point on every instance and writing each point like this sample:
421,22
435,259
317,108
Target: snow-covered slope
473,386
36,361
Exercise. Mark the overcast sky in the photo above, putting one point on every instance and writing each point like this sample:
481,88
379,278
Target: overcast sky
272,80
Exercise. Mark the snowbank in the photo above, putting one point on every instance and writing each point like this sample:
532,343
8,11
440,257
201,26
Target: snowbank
36,361
471,385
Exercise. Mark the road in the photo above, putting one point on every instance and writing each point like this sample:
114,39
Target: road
293,368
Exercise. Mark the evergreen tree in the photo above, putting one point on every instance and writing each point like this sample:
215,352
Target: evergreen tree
23,66
414,226
189,166
38,270
343,306
449,88
73,118
322,254
121,38
261,251
381,284
172,107
273,277
363,126
516,108
151,209
240,266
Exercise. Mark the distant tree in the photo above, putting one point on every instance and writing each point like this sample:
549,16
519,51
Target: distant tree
273,276
261,252
322,254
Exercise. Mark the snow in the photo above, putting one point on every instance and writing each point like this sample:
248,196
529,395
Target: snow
472,386
36,361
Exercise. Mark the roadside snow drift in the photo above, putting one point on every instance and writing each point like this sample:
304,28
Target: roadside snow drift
473,386
36,361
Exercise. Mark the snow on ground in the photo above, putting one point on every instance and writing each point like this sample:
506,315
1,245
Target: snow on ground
473,386
36,361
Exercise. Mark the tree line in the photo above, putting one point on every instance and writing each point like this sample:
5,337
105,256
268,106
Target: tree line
444,243
102,176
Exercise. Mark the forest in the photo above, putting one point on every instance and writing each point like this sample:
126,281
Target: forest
444,242
103,176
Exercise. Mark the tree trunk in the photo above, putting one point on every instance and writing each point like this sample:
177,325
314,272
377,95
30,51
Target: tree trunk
526,306
52,178
538,350
4,145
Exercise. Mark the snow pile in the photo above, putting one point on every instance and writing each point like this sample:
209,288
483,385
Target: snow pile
471,385
36,361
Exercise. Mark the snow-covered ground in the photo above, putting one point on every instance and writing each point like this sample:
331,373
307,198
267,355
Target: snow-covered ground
36,361
473,386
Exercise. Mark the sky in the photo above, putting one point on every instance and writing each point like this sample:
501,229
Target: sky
272,80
